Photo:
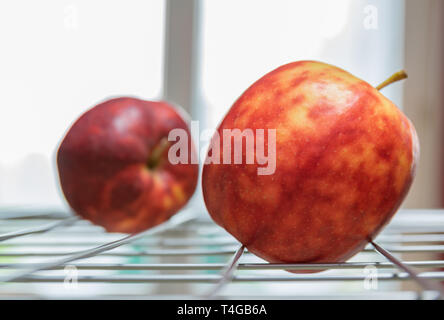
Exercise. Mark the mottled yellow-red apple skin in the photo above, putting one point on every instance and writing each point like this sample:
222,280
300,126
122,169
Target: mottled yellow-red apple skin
345,159
103,165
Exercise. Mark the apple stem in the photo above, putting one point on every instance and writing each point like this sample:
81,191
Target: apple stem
395,77
157,152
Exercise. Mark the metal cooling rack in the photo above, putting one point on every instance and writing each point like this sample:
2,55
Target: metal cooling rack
51,254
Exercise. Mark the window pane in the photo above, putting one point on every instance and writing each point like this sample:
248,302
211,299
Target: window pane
59,58
243,40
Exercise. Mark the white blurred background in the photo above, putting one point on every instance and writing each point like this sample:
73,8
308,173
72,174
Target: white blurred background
58,58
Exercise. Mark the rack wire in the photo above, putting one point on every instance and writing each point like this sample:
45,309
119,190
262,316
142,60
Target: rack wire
54,254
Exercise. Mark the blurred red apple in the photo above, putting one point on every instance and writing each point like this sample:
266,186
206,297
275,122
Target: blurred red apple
114,169
345,159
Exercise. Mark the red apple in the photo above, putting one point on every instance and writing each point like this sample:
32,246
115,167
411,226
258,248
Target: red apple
345,159
114,169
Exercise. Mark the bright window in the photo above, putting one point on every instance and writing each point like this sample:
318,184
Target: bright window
57,59
60,58
243,40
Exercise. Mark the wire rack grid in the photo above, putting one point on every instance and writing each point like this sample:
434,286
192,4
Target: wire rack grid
52,254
